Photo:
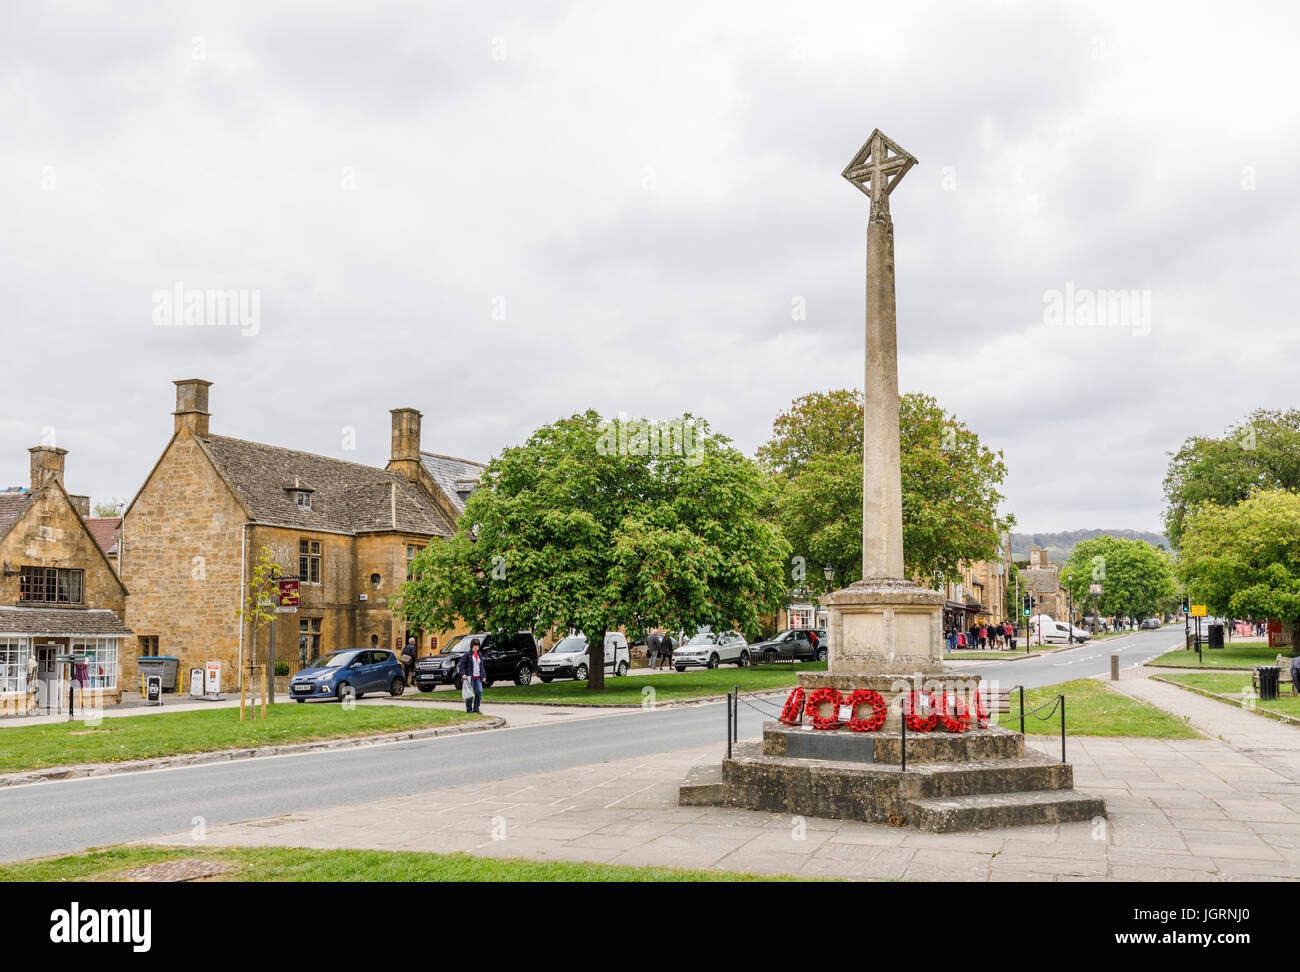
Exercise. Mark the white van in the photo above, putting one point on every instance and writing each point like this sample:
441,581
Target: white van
568,657
1046,631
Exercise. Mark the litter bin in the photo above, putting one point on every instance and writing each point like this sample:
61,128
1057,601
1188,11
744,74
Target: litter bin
165,668
1216,636
1267,682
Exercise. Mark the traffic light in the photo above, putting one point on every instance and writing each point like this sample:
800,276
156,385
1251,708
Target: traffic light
1029,605
1187,604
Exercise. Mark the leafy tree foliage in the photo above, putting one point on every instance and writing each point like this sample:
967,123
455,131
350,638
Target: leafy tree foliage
1137,579
599,526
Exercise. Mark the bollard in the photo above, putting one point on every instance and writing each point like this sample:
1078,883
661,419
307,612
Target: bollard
1114,668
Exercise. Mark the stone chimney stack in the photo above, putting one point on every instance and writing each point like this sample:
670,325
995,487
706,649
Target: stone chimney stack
192,405
47,465
406,443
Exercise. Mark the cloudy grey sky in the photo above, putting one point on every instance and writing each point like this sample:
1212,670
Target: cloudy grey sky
500,213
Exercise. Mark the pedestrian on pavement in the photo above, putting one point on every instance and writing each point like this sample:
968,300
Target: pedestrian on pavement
33,684
666,650
470,669
812,637
654,642
1295,675
408,660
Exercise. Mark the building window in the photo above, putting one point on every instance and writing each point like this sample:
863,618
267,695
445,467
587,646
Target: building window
50,585
148,646
13,665
101,661
309,635
303,499
309,561
412,551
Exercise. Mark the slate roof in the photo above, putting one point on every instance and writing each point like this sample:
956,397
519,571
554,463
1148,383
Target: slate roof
346,497
104,530
457,477
12,506
65,622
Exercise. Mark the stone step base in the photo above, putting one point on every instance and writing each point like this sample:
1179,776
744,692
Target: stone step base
702,787
886,746
1030,772
990,810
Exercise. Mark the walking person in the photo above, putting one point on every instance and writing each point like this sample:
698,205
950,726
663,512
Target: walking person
33,684
470,669
653,646
408,660
666,646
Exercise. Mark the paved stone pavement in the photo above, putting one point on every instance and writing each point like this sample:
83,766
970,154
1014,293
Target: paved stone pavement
1179,810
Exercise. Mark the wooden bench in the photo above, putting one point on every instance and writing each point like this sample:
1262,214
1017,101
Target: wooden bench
1283,663
996,701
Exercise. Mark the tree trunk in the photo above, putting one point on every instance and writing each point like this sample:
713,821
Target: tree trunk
596,661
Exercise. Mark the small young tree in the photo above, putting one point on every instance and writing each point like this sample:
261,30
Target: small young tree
258,611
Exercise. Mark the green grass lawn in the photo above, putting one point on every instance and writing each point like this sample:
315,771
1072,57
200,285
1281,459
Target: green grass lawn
1092,709
1233,683
692,683
295,864
1238,655
120,738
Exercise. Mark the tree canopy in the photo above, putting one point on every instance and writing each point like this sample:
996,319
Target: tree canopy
1244,560
950,486
600,525
1260,453
1137,579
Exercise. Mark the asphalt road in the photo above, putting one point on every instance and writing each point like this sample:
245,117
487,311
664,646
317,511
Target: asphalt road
51,818
1089,660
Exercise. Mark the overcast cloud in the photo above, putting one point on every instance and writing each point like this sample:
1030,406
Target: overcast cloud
646,190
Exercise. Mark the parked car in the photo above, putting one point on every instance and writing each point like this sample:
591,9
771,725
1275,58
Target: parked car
349,674
710,649
568,657
791,644
1151,624
1054,631
512,658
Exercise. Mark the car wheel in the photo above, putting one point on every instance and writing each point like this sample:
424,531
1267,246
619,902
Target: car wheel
524,676
621,670
346,691
680,668
547,679
580,673
743,661
713,661
397,686
300,700
821,654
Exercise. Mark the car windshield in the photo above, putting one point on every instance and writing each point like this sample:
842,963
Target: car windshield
457,645
704,638
336,659
573,643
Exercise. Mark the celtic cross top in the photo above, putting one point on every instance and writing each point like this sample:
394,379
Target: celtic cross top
876,169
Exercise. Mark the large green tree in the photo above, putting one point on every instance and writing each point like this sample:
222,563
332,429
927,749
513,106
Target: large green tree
1137,579
1261,452
1244,560
950,486
600,525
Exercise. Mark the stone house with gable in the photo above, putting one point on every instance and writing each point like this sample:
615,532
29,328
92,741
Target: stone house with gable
59,596
189,540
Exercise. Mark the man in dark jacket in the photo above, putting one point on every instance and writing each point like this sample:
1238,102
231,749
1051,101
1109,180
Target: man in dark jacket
654,646
471,670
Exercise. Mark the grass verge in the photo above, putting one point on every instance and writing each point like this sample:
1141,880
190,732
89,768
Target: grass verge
1228,687
122,738
1231,656
1092,709
632,690
298,864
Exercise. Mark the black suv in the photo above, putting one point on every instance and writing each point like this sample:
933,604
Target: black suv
507,658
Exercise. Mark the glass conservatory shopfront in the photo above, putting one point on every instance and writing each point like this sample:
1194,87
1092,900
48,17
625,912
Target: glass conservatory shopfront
35,675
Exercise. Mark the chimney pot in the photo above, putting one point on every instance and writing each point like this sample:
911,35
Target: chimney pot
406,443
192,405
47,465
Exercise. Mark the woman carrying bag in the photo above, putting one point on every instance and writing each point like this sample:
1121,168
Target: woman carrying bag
470,669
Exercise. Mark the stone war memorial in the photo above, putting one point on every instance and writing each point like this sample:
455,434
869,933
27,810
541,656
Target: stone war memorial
886,735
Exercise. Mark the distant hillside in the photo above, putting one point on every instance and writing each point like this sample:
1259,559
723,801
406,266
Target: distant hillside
1059,545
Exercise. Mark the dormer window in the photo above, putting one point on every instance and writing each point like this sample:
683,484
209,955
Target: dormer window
302,498
300,492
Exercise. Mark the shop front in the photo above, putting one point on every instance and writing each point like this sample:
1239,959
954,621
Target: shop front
46,653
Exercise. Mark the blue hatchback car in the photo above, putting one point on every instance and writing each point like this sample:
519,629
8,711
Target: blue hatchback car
349,675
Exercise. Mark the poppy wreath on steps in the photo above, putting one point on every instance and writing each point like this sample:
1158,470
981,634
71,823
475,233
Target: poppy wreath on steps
818,698
915,722
953,712
981,713
879,710
793,707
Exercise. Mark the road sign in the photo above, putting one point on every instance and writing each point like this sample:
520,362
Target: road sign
1094,588
1198,610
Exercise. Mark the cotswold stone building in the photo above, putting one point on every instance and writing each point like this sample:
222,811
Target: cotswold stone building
191,537
59,595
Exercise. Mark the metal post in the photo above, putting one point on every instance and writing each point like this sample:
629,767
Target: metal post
1199,660
1022,709
735,716
728,725
903,724
1062,728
